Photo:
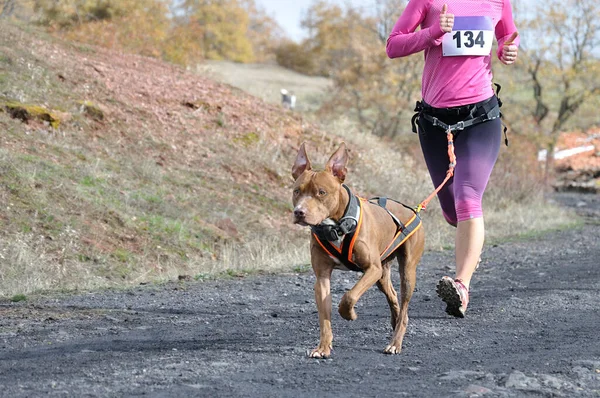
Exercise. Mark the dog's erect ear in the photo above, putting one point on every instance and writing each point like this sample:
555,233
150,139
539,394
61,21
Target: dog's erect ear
301,164
337,163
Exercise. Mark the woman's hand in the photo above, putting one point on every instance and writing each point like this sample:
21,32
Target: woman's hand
509,50
446,20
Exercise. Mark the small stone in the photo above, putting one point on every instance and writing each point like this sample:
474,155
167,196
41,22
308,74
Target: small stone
520,381
479,390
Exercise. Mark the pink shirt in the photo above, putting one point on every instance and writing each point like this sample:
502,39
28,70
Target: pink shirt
450,81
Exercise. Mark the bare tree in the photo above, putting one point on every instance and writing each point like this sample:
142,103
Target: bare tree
377,91
559,50
8,8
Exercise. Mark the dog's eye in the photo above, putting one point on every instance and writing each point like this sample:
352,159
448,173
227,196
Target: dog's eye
296,192
322,192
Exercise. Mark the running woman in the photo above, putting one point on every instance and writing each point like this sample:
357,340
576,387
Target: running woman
456,37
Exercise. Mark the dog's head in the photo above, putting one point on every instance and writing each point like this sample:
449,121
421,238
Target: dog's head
316,194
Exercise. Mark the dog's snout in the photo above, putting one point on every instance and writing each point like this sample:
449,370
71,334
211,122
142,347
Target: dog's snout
299,212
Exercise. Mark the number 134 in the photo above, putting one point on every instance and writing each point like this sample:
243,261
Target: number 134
468,40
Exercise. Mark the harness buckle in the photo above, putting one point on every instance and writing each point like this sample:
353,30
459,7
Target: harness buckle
348,224
332,235
460,125
327,232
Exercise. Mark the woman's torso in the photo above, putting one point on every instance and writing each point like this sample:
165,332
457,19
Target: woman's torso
460,80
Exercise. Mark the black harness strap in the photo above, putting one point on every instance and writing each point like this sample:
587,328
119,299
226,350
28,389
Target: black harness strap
491,112
345,230
403,231
343,253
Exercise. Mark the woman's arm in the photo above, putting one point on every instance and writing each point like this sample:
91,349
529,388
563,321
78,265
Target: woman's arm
505,29
403,39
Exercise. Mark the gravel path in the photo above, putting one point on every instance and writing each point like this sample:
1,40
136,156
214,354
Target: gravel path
532,330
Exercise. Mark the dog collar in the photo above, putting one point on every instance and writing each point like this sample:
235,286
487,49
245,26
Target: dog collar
335,231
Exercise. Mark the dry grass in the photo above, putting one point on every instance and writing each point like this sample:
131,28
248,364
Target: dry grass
266,81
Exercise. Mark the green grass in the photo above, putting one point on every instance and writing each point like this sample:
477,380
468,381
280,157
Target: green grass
18,297
302,268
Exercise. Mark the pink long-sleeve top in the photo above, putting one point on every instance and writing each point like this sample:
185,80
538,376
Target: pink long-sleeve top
450,80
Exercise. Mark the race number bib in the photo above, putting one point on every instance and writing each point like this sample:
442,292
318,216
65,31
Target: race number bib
470,36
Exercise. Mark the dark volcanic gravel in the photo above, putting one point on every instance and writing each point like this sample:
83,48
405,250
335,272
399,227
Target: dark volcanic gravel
532,329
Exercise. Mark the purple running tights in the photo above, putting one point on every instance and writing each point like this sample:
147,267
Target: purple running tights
476,150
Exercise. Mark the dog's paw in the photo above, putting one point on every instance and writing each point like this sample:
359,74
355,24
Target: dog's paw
320,353
346,309
392,349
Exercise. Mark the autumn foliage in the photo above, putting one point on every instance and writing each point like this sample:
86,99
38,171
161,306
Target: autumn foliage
553,83
347,44
184,32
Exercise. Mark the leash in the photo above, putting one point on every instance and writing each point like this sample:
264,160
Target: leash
449,173
490,114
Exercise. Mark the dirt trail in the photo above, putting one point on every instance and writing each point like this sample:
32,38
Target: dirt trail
532,330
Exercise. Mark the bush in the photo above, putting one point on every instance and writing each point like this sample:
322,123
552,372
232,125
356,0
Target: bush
293,56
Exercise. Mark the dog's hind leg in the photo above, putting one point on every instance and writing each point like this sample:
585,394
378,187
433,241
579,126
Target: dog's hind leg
387,287
408,278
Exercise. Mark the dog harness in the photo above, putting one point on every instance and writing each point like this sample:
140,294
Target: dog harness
337,239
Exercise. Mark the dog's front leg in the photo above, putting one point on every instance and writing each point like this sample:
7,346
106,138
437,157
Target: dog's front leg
373,272
323,300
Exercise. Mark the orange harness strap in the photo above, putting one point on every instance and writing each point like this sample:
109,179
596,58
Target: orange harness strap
343,253
404,232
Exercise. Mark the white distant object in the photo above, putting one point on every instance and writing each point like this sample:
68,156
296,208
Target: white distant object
565,153
288,100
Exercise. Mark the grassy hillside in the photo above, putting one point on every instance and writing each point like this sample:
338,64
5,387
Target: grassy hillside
118,169
266,82
150,169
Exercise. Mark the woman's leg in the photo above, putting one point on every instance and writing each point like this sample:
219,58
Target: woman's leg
434,145
476,150
468,244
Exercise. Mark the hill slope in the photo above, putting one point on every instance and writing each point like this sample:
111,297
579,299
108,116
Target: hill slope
149,166
266,81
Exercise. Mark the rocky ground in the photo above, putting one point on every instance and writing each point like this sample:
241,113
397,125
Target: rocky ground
577,161
532,330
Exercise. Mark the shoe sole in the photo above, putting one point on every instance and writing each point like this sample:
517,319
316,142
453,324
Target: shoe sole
448,293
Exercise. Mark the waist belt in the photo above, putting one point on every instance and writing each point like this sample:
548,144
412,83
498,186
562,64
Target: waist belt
490,110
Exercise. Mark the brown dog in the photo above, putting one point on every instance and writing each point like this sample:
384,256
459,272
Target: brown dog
323,203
